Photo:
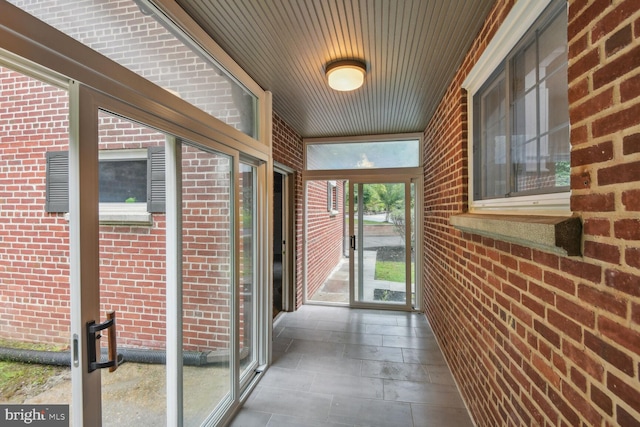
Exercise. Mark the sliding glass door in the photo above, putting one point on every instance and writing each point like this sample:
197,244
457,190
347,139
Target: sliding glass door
172,294
360,242
382,264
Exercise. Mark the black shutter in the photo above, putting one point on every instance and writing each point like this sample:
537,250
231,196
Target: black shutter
57,181
155,180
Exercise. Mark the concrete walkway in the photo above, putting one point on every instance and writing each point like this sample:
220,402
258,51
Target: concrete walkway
336,287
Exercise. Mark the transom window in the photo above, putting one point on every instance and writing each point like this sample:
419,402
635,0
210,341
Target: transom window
362,155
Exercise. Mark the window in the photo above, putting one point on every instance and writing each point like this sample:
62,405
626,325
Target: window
363,155
520,113
332,197
131,183
123,176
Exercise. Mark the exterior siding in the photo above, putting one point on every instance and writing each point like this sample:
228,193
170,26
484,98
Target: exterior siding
531,337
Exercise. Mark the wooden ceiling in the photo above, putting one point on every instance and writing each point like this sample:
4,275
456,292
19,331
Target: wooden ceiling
412,49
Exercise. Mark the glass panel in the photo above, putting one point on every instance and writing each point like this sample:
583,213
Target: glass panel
414,265
207,281
494,159
530,65
122,32
382,249
558,162
34,244
539,166
327,274
248,215
554,101
553,46
363,155
526,158
132,283
123,181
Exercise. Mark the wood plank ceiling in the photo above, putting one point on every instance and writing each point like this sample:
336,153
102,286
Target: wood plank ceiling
412,49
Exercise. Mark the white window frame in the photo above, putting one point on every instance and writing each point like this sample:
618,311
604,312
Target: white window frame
522,17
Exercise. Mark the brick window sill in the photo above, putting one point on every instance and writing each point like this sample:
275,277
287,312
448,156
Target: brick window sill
559,235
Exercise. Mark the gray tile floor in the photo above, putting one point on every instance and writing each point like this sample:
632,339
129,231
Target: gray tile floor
336,366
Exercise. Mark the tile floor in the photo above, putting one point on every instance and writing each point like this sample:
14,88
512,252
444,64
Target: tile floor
336,366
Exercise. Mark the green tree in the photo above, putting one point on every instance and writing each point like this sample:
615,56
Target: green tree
386,197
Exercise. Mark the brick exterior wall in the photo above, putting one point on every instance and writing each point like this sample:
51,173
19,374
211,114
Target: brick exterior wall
534,338
287,149
34,244
325,234
323,227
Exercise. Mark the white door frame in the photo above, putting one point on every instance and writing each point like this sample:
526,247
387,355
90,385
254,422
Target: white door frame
358,240
411,175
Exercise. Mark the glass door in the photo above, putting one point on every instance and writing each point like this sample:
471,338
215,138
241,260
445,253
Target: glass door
382,264
132,265
208,275
174,227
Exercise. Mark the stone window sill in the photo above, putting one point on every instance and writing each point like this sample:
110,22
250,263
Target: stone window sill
124,218
559,235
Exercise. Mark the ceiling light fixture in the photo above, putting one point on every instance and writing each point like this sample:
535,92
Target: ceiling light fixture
345,75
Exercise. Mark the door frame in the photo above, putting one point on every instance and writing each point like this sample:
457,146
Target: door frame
412,176
85,104
288,235
359,248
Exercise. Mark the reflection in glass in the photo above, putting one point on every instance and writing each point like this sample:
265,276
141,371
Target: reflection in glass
154,50
494,156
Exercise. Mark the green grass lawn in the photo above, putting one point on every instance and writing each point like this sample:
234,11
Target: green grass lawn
369,222
393,271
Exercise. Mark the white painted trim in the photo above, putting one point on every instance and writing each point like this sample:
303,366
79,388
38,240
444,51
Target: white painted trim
522,16
544,204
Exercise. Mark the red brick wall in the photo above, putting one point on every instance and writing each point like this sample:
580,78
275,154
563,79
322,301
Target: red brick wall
325,234
325,239
34,263
34,256
287,149
534,338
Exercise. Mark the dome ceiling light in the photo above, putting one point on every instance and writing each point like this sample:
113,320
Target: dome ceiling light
345,75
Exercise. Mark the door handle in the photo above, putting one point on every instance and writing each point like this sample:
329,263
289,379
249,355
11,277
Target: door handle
93,337
353,242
